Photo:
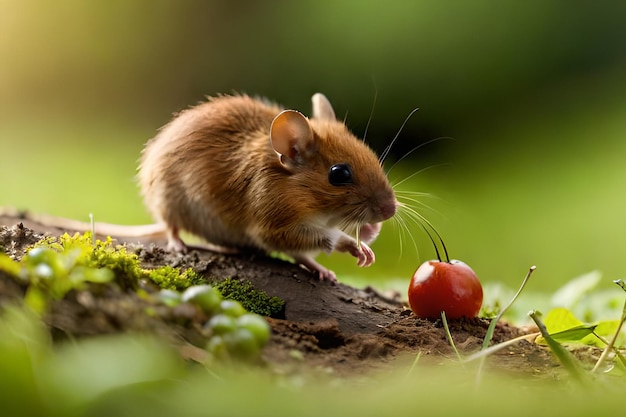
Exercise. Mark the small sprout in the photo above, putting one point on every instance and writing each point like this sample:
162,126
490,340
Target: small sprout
242,344
12,268
217,347
43,271
236,334
222,324
82,250
36,299
55,266
232,308
296,354
204,296
256,325
170,298
38,255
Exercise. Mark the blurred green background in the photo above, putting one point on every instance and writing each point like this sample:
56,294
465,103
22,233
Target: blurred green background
532,93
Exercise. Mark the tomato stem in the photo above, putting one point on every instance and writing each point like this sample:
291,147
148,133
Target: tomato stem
428,225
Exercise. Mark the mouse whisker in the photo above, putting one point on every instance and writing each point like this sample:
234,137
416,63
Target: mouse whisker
428,142
369,120
402,181
383,156
417,199
355,221
417,202
403,226
424,224
415,193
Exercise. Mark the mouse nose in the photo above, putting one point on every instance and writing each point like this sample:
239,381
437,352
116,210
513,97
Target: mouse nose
388,209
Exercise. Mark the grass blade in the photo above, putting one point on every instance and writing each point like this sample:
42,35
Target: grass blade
493,349
494,322
563,355
449,335
417,358
492,325
611,344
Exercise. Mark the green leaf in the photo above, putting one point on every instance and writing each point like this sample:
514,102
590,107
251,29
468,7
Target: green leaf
563,355
24,345
569,294
608,328
36,299
9,266
98,275
559,319
567,328
574,334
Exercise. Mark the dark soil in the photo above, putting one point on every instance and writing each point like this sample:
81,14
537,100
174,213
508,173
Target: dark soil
329,327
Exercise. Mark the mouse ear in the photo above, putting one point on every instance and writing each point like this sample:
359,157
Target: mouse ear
290,134
322,109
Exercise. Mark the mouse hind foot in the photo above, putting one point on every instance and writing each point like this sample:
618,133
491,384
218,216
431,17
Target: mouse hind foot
210,247
323,273
176,244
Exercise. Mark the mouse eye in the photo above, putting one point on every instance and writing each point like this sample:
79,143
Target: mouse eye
340,174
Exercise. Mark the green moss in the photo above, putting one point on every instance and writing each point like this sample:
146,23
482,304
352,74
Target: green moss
125,265
253,300
55,266
80,251
101,254
170,278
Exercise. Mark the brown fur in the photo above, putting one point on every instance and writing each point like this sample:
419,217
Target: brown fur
213,172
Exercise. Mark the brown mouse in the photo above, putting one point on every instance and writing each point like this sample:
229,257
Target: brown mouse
243,173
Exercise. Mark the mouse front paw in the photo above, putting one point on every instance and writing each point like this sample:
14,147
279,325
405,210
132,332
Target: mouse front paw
364,254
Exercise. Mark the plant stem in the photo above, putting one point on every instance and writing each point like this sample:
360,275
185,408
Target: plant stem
93,230
495,321
481,354
609,347
565,357
417,358
449,335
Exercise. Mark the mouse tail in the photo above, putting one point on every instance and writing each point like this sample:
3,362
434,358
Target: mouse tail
139,230
100,228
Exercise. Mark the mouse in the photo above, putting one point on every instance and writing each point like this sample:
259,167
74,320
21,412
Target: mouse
244,173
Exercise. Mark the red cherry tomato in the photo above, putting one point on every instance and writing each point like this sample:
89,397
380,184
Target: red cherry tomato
445,286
